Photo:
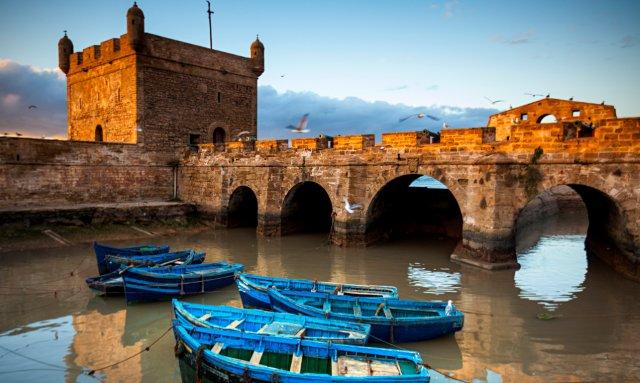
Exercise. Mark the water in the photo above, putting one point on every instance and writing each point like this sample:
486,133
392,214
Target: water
61,330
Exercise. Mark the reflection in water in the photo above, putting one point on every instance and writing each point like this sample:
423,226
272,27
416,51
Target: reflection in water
434,281
593,339
553,271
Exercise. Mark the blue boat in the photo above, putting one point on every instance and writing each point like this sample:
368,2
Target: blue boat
253,289
102,251
223,355
157,283
113,284
268,322
391,319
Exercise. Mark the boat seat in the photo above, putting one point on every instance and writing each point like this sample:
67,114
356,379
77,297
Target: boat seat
387,312
334,368
359,366
296,363
255,357
205,317
357,311
300,333
217,347
235,324
263,329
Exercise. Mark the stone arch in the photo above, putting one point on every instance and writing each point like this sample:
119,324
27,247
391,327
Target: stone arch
99,135
242,210
398,210
219,135
546,118
306,207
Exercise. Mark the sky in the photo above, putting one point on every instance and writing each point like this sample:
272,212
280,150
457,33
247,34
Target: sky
358,64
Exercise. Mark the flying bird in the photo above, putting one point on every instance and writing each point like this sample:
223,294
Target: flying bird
243,133
493,102
534,94
32,107
18,134
302,125
419,115
351,208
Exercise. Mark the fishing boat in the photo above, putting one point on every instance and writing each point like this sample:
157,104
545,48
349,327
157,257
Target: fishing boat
253,289
112,283
235,356
391,319
157,283
267,322
102,251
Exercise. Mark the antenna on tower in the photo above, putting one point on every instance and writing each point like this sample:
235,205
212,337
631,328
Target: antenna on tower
210,12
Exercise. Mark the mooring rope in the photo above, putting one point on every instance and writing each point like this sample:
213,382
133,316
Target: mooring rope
148,348
424,363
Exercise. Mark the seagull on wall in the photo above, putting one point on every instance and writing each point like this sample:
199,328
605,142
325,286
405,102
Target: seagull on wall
419,115
302,125
493,102
351,208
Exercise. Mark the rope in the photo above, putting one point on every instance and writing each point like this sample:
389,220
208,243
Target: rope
92,372
424,364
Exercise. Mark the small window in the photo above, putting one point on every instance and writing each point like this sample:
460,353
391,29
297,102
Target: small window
219,136
575,113
524,117
98,134
219,97
194,139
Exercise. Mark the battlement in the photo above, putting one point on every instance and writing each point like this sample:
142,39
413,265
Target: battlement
96,55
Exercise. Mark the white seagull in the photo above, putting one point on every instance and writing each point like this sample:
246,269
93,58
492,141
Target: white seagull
351,208
302,125
419,115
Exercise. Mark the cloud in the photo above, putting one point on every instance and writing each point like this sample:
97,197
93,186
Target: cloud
352,115
519,39
629,41
24,85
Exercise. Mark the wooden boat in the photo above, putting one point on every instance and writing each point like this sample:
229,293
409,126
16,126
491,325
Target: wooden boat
267,322
156,283
391,319
102,251
253,289
235,356
113,284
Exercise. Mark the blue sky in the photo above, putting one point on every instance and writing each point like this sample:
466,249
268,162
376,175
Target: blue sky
417,53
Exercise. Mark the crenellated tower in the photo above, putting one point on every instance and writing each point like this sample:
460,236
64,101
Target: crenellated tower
146,89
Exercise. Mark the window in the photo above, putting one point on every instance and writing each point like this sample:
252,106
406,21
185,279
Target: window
194,139
219,136
98,134
524,117
219,97
547,119
575,113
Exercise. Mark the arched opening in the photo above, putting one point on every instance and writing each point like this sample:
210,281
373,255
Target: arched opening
547,119
307,208
243,208
98,134
556,234
413,206
219,136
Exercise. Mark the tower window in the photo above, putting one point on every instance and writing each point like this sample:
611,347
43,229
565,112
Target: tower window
219,97
524,117
194,139
98,135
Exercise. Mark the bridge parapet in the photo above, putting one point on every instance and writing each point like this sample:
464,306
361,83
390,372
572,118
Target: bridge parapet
354,142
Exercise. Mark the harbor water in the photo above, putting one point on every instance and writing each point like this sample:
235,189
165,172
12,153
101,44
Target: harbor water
562,317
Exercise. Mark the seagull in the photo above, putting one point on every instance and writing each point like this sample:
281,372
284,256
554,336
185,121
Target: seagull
5,133
534,94
419,115
302,125
18,134
493,102
602,103
243,133
351,208
281,75
571,98
444,125
32,106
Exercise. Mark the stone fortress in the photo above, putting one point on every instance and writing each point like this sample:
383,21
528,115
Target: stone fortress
153,119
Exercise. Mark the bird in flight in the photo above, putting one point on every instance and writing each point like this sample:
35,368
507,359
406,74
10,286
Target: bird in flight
419,115
32,107
493,102
535,95
351,208
18,134
302,125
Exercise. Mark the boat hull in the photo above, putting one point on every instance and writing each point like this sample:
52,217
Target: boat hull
102,251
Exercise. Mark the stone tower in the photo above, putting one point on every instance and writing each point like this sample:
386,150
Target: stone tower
164,94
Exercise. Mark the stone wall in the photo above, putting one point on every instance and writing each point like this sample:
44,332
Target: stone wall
37,172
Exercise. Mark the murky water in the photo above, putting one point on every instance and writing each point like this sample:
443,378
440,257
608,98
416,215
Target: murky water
52,328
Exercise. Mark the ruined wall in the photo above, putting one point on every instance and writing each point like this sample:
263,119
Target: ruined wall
49,172
187,89
563,110
101,90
